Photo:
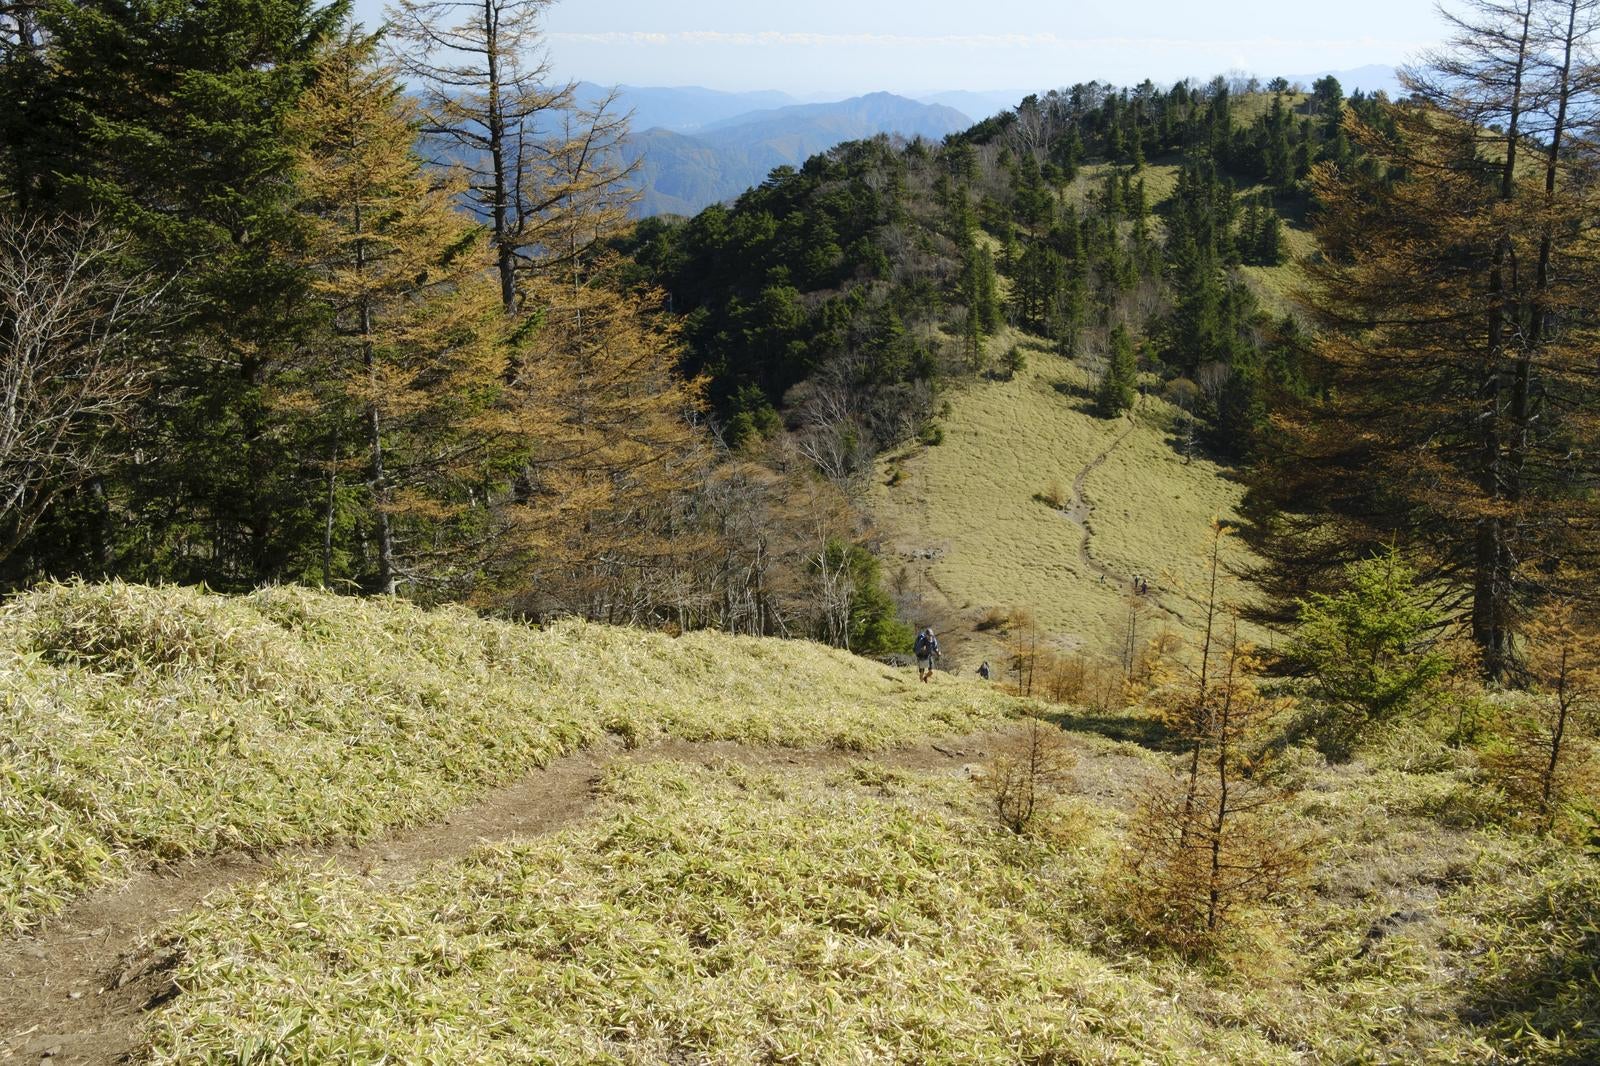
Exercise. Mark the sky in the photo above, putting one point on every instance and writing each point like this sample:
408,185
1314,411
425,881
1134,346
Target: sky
843,47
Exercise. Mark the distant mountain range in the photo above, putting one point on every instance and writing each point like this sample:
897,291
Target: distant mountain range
696,147
683,109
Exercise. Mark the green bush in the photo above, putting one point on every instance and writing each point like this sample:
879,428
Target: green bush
1370,653
874,627
1013,362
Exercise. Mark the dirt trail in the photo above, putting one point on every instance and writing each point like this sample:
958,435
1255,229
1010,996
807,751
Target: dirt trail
75,991
1078,511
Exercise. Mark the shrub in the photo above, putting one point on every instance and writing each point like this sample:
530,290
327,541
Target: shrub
1022,775
1544,752
1370,652
1055,495
1182,393
1013,362
995,619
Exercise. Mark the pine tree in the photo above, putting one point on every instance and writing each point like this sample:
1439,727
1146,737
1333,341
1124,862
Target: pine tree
1267,249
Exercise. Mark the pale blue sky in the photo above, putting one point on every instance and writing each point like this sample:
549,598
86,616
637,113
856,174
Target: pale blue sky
841,47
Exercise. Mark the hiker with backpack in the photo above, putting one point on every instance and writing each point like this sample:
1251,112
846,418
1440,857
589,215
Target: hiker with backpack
926,650
983,671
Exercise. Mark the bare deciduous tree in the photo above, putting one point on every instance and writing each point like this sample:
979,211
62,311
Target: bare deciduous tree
72,327
544,169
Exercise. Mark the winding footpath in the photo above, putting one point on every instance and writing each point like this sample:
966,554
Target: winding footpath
76,990
1078,511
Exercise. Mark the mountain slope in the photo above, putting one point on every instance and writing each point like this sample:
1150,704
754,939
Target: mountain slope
145,725
970,522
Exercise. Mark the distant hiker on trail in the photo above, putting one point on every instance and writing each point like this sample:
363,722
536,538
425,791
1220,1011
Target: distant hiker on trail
926,650
983,671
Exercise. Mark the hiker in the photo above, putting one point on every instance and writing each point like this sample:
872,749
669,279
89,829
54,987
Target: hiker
926,650
983,671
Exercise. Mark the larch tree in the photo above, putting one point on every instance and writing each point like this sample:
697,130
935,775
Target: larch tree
1455,290
544,169
608,442
411,367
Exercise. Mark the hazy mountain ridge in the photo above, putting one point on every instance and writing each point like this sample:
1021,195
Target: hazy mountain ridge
682,172
683,108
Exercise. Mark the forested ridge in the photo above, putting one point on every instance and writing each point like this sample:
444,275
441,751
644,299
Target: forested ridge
877,268
286,301
273,317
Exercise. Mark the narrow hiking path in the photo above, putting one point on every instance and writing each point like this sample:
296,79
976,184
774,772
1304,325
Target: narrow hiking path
1078,511
76,990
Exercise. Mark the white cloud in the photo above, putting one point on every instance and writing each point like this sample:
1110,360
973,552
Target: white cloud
1046,41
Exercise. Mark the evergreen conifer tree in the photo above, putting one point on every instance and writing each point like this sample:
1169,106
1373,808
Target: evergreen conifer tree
173,125
1120,379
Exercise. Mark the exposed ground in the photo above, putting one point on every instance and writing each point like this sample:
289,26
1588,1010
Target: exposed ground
77,990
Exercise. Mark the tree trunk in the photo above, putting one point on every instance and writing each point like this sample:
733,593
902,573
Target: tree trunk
505,261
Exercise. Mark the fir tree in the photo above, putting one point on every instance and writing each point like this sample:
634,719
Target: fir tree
1120,379
173,125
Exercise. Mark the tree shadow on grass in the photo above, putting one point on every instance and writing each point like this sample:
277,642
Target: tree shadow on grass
1082,396
1536,999
1144,730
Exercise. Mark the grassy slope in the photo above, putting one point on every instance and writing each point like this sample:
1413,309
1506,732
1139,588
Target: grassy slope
717,913
141,724
971,500
721,915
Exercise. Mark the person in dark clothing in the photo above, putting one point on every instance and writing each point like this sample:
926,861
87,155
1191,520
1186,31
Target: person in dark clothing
983,671
926,650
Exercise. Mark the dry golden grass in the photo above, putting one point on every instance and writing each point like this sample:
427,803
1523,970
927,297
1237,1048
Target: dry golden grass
723,915
972,502
145,724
